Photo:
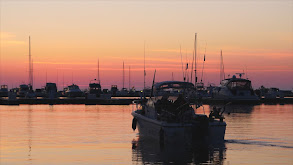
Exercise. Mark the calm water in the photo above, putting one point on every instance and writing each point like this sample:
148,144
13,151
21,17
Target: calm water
79,134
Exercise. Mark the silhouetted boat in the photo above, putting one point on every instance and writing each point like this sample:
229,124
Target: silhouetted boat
23,90
95,88
4,91
73,91
51,90
169,114
114,90
234,89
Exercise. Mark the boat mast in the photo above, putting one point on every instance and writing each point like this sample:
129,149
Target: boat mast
192,66
195,77
57,79
99,71
144,74
129,78
222,71
123,75
63,80
30,65
204,59
182,65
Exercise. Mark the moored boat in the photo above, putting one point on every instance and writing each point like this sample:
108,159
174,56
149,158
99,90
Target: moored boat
170,114
234,89
73,91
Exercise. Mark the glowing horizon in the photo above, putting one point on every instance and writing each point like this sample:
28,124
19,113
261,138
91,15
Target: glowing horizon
68,38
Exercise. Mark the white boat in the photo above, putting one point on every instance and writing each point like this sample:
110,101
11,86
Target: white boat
234,89
170,115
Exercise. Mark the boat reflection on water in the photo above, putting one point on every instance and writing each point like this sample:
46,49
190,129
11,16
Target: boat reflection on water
148,151
234,108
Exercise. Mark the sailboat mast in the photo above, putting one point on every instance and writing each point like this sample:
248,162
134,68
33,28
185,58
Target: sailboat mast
192,66
204,59
63,81
195,76
144,74
57,79
222,69
99,70
30,64
182,65
129,78
123,74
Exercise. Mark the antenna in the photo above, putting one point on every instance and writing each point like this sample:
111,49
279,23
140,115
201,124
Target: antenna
240,74
172,77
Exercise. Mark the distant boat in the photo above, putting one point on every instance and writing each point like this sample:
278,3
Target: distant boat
73,91
51,90
274,93
4,91
23,90
40,92
114,90
95,91
95,88
234,89
169,115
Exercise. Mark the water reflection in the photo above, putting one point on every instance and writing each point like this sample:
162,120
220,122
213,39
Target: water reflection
150,151
30,132
234,108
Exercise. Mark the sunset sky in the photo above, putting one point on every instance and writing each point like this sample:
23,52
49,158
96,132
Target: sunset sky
68,38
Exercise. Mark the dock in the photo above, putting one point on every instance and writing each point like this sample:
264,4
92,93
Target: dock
127,101
32,101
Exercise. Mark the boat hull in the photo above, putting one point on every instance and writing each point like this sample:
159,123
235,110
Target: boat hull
189,132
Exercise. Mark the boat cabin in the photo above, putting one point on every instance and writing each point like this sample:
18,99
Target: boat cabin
172,88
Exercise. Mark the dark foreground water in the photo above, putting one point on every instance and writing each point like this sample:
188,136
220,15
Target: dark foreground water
79,134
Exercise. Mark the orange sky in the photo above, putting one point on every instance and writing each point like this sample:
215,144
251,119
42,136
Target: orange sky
68,37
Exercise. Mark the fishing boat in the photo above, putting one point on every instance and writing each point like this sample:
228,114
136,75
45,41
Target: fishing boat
235,89
169,114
